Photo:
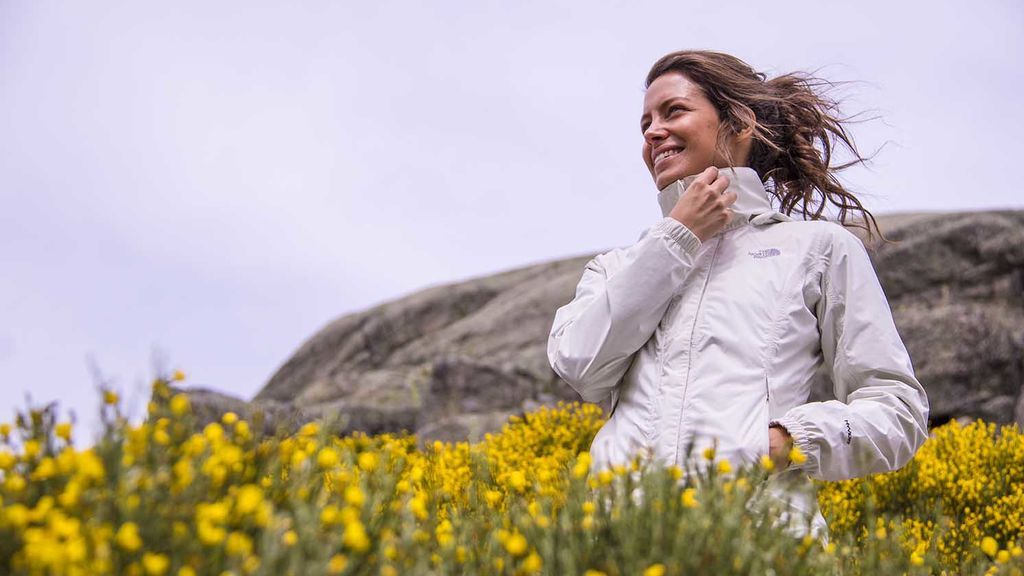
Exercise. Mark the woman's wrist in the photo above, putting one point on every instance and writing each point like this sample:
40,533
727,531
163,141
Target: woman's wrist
781,447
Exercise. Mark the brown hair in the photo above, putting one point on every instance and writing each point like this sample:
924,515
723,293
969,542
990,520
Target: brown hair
795,130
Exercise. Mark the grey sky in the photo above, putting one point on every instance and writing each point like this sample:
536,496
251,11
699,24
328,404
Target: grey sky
217,180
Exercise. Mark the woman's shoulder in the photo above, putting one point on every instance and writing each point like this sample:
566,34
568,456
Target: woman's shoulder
826,233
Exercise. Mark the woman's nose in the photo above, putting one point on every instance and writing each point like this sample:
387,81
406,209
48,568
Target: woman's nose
654,132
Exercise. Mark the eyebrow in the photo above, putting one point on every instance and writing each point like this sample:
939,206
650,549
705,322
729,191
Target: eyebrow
665,103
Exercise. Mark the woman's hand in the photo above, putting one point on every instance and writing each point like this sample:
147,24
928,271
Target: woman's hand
779,445
704,207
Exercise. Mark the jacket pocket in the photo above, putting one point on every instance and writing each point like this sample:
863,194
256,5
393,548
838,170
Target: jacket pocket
766,420
653,403
615,403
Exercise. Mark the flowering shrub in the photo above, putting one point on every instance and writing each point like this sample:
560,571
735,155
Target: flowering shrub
160,499
962,493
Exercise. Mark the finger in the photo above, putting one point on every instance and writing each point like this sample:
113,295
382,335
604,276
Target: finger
729,198
720,184
708,175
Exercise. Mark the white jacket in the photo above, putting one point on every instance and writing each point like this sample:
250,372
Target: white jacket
708,343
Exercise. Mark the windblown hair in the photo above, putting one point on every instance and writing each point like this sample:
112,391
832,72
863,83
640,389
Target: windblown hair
795,129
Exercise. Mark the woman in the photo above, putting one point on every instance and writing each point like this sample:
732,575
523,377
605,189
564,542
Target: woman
712,328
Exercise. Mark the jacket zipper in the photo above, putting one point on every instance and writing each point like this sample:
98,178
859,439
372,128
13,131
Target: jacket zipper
689,360
767,414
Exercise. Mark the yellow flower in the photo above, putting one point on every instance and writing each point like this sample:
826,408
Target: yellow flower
186,571
327,458
180,404
161,437
337,564
110,397
689,498
238,544
248,499
355,537
516,544
155,564
309,429
655,570
90,466
517,480
367,461
229,418
582,466
796,456
594,573
210,534
70,496
354,495
989,546
418,506
15,483
532,563
63,431
767,463
128,537
31,449
492,497
178,376
213,432
17,514
329,515
709,453
724,467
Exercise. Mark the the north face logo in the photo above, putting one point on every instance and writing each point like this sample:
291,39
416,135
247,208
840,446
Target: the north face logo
765,253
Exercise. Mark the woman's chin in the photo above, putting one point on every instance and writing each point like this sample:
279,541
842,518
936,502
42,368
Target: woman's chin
672,173
667,178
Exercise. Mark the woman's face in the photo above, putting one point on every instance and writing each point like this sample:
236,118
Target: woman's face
680,128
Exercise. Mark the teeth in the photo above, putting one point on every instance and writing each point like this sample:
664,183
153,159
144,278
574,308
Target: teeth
666,154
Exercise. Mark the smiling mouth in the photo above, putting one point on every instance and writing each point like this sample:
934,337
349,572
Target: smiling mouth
666,154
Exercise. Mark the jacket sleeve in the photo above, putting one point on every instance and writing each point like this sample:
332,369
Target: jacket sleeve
880,416
617,307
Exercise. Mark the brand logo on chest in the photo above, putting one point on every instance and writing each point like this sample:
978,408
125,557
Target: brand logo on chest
765,253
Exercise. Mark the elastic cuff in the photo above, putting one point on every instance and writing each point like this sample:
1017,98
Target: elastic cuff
676,230
798,433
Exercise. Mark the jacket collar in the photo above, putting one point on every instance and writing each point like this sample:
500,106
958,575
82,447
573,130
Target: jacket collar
752,204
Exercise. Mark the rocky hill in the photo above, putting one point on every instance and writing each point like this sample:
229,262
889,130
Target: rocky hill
453,361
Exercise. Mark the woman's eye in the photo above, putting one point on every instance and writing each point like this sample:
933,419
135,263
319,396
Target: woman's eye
674,109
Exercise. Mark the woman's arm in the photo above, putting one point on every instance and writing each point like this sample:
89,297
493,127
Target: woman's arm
617,306
880,417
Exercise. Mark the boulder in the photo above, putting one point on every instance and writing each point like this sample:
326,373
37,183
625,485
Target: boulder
452,362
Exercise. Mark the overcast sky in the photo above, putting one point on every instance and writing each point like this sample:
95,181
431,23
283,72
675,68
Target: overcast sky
215,181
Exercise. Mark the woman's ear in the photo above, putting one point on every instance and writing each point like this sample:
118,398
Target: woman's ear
746,133
740,142
743,124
